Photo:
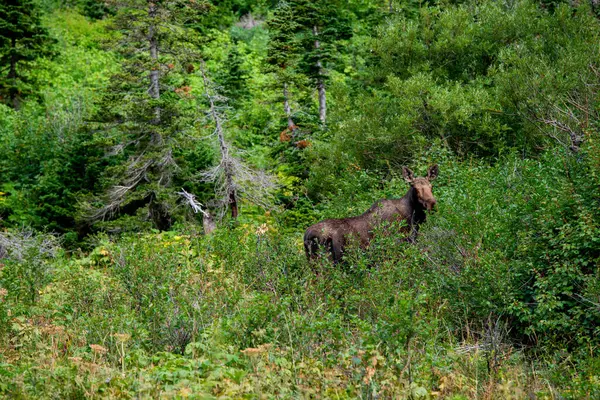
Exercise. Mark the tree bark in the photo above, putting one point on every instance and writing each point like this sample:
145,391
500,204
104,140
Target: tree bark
287,108
320,82
233,204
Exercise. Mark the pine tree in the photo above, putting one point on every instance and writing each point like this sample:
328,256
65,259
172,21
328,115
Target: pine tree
96,9
145,113
22,39
233,77
322,25
283,51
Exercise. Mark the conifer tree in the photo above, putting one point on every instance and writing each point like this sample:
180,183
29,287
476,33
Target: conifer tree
233,77
96,9
321,25
144,115
283,51
22,40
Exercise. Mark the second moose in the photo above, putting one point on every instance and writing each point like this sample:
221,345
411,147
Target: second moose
334,234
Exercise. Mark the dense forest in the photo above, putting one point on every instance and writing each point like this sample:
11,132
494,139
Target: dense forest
162,159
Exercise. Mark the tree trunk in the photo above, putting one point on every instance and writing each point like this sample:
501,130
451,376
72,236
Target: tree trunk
233,204
320,82
154,89
225,159
287,108
159,213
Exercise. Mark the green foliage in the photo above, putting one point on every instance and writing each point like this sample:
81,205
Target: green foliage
49,161
146,114
233,79
497,299
325,22
22,40
27,268
96,9
484,78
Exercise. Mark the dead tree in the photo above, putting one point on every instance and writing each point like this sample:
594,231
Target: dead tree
208,222
233,179
320,81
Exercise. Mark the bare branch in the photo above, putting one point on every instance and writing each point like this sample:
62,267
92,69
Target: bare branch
191,200
233,179
21,244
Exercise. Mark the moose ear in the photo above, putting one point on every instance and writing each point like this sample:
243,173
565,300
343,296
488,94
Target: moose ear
432,172
408,175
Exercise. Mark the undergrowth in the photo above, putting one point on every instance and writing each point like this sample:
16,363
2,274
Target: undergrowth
495,301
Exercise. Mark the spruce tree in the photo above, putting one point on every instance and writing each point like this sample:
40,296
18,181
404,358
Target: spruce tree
233,77
283,51
321,25
145,115
22,40
96,9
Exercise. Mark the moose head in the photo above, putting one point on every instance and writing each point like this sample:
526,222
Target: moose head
422,186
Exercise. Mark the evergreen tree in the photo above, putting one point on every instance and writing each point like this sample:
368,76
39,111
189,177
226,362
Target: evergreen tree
96,9
145,112
282,52
322,24
22,39
233,77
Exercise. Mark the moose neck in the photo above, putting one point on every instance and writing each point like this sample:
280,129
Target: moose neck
416,208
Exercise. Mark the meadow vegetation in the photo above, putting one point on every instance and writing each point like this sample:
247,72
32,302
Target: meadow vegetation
499,298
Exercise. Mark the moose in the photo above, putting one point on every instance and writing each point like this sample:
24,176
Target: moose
334,234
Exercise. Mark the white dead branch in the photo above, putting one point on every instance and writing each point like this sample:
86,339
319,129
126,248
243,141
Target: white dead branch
233,178
190,199
23,244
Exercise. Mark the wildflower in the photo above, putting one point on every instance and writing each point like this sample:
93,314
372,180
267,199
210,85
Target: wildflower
122,337
257,350
368,375
97,349
261,230
53,329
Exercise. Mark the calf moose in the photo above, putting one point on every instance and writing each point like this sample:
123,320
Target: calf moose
334,234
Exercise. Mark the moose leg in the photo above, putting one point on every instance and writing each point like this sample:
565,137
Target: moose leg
337,249
414,230
307,250
412,238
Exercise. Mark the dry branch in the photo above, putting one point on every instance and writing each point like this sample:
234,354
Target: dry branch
21,244
233,179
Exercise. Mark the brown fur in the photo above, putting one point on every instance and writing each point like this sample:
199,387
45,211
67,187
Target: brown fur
334,234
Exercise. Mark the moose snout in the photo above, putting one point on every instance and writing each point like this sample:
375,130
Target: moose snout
431,204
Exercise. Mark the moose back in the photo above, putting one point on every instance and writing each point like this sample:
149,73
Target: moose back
334,234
